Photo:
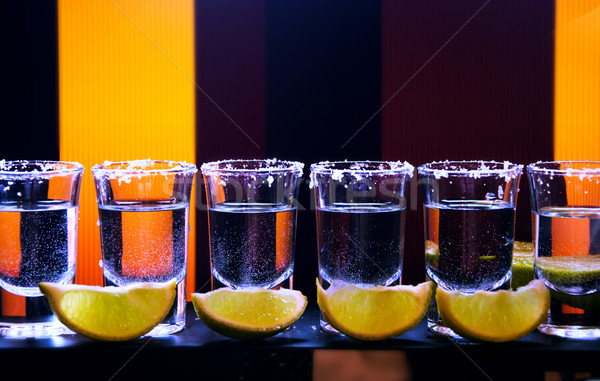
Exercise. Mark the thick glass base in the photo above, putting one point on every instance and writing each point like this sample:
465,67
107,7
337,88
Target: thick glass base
33,330
435,323
570,331
175,320
165,329
439,328
326,326
27,317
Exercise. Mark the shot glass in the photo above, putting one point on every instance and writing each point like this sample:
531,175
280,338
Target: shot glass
252,221
38,241
143,208
469,209
565,203
361,212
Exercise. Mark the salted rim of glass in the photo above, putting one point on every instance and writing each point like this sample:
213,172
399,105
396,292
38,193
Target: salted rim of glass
508,168
537,167
48,167
361,167
137,167
271,165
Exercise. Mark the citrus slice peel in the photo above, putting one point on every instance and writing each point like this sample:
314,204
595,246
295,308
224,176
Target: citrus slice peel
110,313
251,313
495,316
374,313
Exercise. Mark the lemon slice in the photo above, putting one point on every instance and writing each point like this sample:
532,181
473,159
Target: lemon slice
522,265
375,313
110,313
251,313
495,316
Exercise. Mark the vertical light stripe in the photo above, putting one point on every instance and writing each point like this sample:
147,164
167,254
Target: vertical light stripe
577,80
10,244
126,90
147,243
576,97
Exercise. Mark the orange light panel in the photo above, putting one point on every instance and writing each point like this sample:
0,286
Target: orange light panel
13,305
126,90
10,244
576,105
577,80
571,239
147,243
283,240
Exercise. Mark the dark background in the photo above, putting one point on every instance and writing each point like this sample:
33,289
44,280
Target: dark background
306,80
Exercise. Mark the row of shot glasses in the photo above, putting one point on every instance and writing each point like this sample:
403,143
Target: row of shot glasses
469,213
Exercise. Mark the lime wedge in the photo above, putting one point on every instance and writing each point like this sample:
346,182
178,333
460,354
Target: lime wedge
251,313
522,265
486,257
569,270
522,247
572,274
432,253
495,316
375,313
110,313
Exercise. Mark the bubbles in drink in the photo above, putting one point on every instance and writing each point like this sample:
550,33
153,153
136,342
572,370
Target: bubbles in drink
360,244
567,241
469,244
38,245
252,244
143,242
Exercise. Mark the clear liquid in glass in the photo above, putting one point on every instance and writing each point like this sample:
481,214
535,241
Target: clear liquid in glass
252,244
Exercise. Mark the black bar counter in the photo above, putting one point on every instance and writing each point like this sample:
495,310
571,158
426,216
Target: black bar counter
197,353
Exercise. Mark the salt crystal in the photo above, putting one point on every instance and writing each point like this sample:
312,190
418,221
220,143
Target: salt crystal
337,175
